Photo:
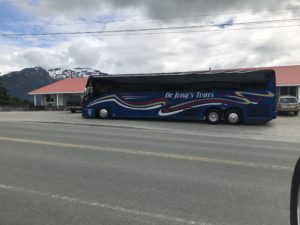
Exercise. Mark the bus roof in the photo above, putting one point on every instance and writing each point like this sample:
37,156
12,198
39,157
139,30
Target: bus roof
185,73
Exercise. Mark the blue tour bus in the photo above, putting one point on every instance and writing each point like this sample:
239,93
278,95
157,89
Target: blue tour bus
233,96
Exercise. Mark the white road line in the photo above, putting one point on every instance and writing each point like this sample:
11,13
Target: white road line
225,145
199,141
102,205
241,136
146,153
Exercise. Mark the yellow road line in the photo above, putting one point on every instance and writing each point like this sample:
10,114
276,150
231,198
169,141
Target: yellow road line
147,153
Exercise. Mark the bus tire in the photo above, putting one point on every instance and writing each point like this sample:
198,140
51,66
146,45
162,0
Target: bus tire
213,116
296,113
103,113
73,110
294,195
233,116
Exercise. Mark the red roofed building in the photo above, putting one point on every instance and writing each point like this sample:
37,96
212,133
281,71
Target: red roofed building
288,80
57,93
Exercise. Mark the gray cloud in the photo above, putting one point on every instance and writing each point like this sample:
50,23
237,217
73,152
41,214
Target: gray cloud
84,54
158,53
165,8
150,8
32,57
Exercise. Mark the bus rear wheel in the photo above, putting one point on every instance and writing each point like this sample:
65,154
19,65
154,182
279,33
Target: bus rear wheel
103,113
213,116
233,116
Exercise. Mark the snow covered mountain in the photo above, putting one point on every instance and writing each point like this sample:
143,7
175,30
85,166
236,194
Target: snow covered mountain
19,83
62,73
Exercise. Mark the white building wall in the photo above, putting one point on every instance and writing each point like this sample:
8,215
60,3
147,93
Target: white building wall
298,94
60,99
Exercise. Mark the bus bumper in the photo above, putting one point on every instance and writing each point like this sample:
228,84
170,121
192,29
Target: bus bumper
88,113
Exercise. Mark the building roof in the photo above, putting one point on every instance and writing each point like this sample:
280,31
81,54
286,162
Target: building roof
287,75
68,85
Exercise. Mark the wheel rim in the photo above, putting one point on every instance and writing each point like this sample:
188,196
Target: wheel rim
213,117
233,117
103,113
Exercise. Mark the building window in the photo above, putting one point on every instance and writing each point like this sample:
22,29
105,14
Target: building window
289,91
293,91
50,98
284,91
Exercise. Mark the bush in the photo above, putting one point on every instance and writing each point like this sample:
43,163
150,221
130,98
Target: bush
7,100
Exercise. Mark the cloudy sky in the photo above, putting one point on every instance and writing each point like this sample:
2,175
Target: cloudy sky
127,36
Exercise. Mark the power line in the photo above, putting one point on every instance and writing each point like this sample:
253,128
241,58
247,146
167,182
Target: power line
173,32
149,29
200,31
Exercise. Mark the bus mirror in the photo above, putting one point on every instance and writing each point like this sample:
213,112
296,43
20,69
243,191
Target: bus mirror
295,196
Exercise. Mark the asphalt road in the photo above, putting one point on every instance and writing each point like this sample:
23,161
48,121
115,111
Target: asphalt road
81,174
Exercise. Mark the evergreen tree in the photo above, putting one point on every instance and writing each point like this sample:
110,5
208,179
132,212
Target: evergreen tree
7,100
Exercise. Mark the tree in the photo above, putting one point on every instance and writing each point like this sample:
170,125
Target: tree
7,100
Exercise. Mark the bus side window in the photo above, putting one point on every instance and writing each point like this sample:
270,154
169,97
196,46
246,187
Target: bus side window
103,89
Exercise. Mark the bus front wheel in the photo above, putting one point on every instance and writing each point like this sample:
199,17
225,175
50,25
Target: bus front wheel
233,116
213,116
103,113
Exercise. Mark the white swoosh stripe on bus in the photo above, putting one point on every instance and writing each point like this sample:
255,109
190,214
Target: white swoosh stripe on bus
116,99
128,107
181,110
